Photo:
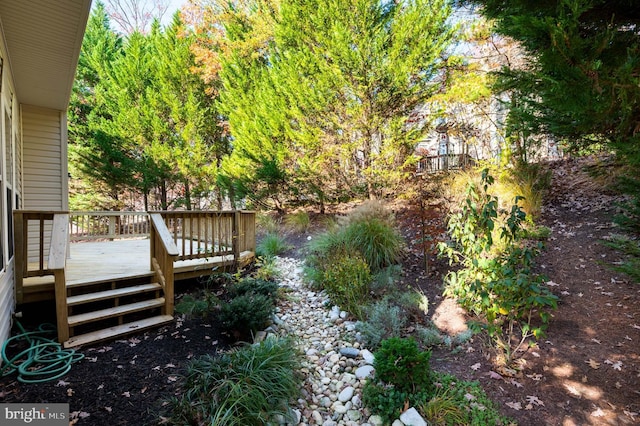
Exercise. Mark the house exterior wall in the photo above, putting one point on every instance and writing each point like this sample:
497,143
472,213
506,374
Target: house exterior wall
10,187
45,166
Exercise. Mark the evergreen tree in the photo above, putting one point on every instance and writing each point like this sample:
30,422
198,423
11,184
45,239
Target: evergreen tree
325,108
582,84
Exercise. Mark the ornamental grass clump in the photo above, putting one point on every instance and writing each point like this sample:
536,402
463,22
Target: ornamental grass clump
345,260
250,385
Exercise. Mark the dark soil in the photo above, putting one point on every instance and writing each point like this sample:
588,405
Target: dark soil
585,372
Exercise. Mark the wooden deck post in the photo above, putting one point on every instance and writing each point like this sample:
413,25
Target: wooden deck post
236,236
62,313
20,257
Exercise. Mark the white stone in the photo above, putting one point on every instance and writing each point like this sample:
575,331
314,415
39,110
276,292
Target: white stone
367,356
338,407
346,394
376,420
316,417
397,423
412,417
364,371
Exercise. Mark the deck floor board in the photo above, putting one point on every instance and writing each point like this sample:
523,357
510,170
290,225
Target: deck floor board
101,261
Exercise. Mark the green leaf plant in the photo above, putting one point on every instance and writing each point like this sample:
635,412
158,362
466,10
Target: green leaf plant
495,280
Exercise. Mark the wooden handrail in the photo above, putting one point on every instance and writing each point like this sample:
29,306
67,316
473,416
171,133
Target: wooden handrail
55,226
163,254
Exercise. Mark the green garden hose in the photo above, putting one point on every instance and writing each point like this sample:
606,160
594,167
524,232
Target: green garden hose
42,361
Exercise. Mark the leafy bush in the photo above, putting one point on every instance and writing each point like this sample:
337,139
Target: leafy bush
386,279
255,285
346,281
266,269
272,244
496,284
383,322
242,316
388,402
400,363
251,385
197,306
402,378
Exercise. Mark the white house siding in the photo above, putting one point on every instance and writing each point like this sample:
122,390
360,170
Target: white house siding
44,165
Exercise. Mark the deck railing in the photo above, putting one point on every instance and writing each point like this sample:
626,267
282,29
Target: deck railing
108,225
444,162
37,233
205,234
163,254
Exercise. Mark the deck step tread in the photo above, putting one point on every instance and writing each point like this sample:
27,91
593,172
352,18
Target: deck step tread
110,294
115,311
120,330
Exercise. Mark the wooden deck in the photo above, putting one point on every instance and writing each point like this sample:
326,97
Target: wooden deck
104,261
112,273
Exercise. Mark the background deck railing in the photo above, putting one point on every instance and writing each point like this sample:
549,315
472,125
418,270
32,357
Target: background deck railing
444,162
108,225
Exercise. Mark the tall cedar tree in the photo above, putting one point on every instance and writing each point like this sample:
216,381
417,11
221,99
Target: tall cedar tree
324,108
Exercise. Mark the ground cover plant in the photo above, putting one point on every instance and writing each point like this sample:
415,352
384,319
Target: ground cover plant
250,385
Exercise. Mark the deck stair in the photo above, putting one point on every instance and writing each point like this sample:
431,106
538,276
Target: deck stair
106,310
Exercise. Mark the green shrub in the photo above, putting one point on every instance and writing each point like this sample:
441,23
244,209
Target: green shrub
251,385
200,306
496,283
386,279
402,378
384,321
346,281
400,363
379,244
242,316
272,244
388,402
266,269
429,336
255,285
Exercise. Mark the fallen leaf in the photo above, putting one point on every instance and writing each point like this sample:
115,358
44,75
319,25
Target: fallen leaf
494,375
101,386
597,413
469,397
537,377
108,409
516,383
144,389
126,394
476,367
596,341
552,284
62,383
531,399
631,414
70,392
172,378
169,366
515,405
593,364
617,365
92,359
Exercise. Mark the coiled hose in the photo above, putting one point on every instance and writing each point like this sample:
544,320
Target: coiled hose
42,361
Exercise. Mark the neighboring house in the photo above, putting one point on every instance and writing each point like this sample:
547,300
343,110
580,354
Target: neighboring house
40,44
